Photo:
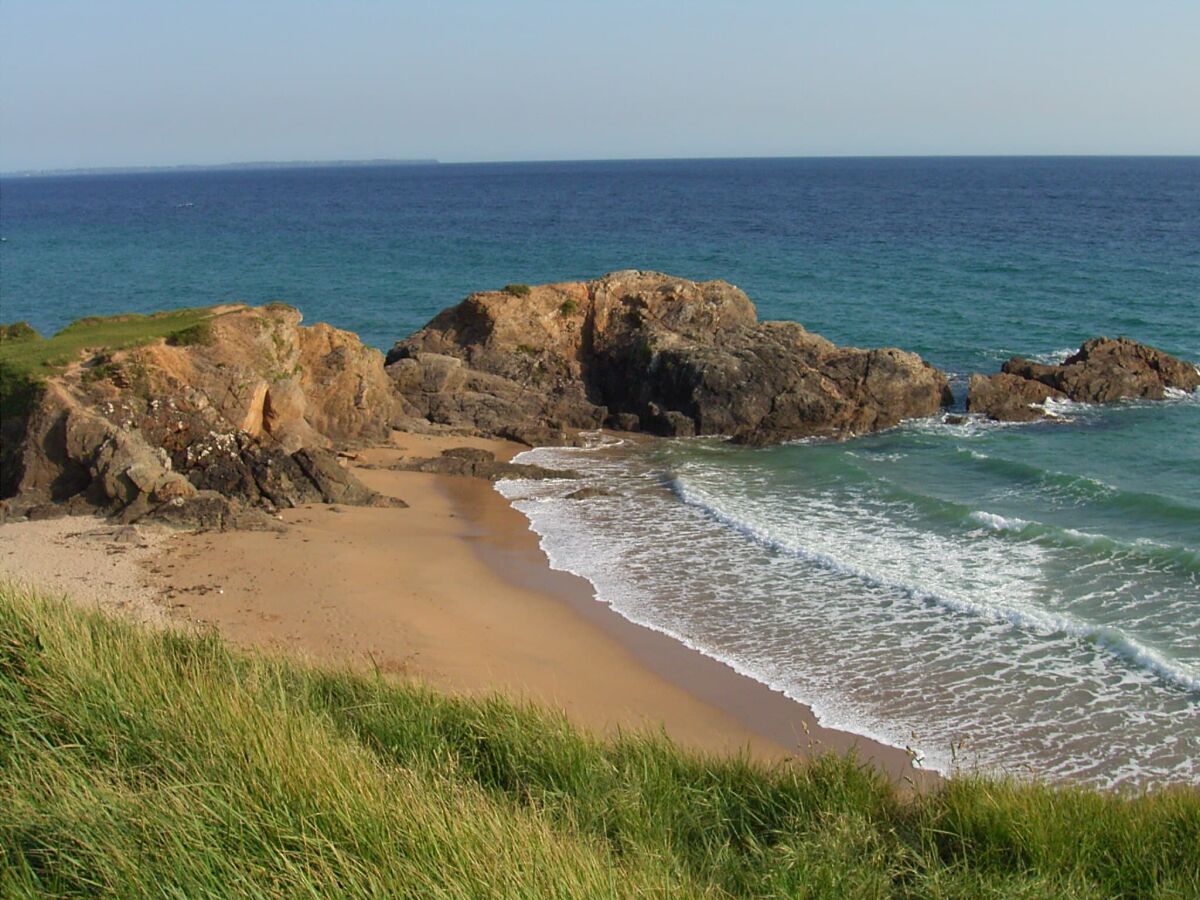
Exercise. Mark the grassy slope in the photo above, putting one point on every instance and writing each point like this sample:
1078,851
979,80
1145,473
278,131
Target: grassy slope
137,763
26,358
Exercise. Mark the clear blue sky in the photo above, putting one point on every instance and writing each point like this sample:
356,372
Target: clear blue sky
148,82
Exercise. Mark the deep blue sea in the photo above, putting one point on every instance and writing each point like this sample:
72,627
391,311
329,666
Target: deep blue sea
1028,595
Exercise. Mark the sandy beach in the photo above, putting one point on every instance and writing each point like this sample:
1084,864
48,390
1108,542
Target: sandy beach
452,590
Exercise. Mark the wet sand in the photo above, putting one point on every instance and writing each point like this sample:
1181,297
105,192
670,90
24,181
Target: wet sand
502,538
455,591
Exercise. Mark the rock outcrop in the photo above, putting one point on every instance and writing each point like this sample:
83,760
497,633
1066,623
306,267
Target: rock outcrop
643,351
215,432
471,462
242,413
1103,371
1009,398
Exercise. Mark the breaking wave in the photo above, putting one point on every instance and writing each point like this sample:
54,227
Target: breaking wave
1039,621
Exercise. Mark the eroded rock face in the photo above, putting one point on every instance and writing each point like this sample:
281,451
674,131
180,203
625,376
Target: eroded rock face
262,373
212,434
1103,371
649,352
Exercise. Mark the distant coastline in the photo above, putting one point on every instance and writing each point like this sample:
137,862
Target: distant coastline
269,165
258,166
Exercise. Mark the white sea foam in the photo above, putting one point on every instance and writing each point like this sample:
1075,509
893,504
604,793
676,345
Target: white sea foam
972,426
997,522
814,625
1053,357
828,712
1179,395
1060,409
1015,524
1046,357
1040,621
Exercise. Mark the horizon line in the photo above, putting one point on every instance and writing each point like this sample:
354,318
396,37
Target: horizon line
384,162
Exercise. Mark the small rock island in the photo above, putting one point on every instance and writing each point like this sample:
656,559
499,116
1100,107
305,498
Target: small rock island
1103,371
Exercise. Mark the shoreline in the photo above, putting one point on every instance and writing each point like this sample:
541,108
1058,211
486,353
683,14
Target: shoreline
757,706
456,592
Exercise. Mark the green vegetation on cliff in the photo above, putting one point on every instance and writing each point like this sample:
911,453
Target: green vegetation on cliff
26,358
138,763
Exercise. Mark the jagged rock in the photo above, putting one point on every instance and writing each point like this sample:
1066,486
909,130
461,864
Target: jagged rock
337,484
1009,398
280,479
1103,371
38,468
246,414
18,508
624,421
145,476
471,462
119,465
43,511
646,351
208,511
670,422
533,435
261,372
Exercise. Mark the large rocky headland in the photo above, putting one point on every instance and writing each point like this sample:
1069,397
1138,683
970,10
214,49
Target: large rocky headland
218,417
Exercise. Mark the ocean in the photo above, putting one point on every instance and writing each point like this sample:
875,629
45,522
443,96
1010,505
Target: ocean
1017,598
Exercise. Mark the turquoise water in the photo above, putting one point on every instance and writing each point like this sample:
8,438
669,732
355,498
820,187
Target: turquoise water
981,588
1029,594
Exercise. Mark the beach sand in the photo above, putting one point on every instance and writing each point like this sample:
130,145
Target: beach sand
453,590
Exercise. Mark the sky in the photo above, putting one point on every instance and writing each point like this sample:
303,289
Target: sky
148,82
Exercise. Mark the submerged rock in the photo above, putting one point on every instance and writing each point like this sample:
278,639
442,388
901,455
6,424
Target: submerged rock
649,352
589,493
1103,371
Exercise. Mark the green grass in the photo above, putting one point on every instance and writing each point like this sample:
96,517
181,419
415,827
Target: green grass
192,335
18,331
26,358
517,290
137,763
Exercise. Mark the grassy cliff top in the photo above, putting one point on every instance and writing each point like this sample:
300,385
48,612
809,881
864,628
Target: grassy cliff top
137,763
23,350
26,357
